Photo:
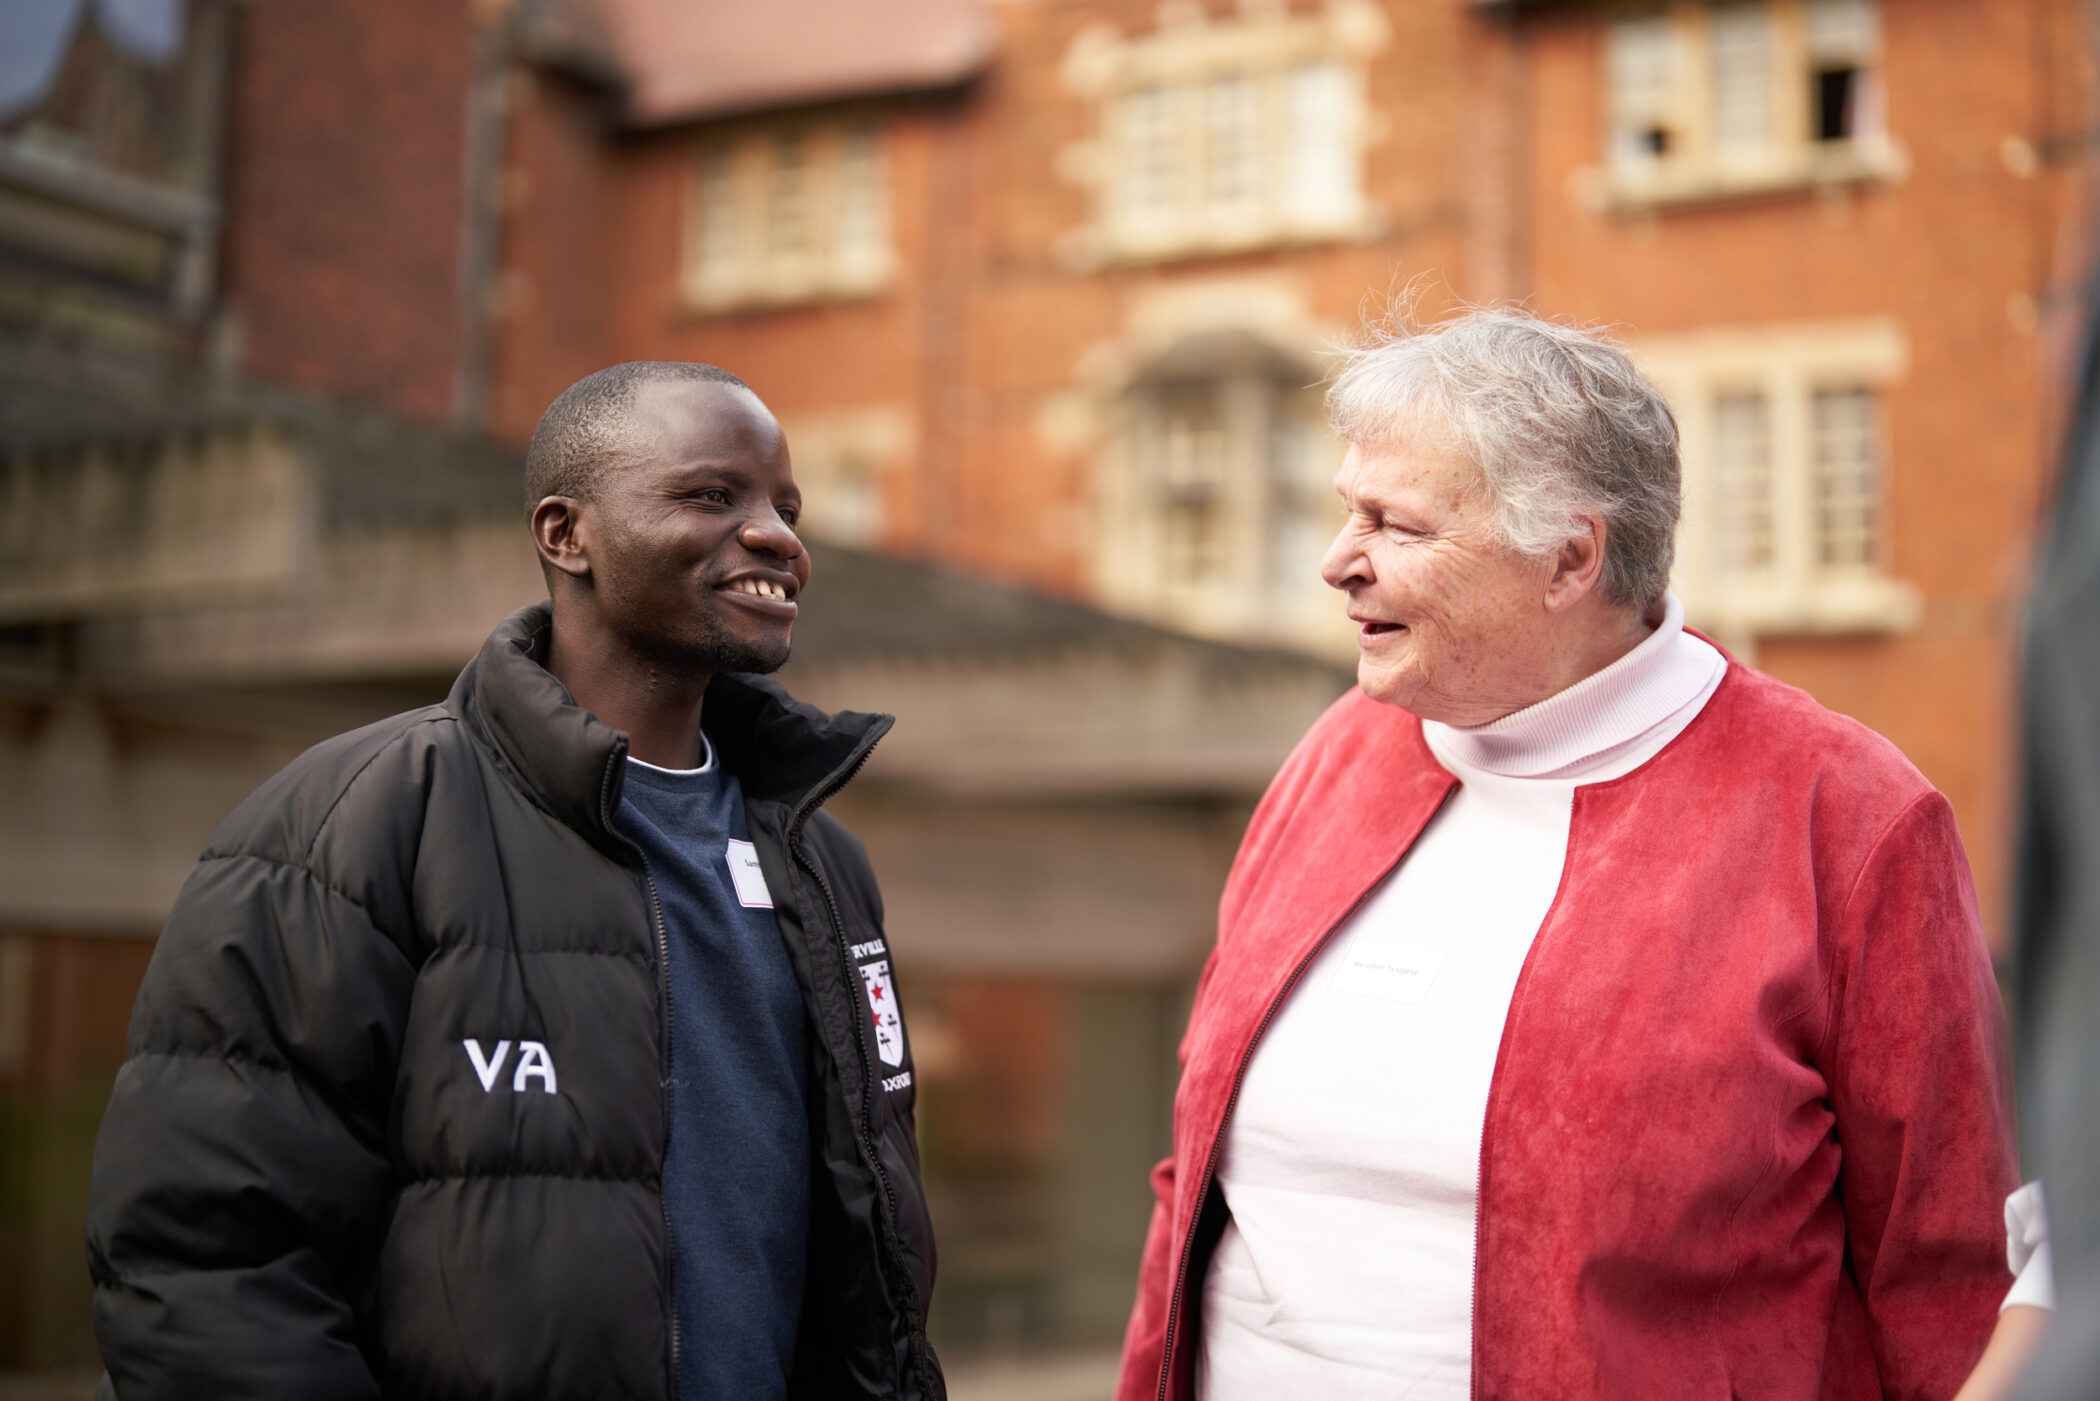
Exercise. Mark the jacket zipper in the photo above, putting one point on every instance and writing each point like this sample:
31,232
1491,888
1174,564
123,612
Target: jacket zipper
663,1201
663,975
1239,1076
1479,1216
860,1038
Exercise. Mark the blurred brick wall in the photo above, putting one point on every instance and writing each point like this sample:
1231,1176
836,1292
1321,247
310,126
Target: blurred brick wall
1965,251
344,264
345,180
64,1004
67,1021
987,317
592,228
1483,125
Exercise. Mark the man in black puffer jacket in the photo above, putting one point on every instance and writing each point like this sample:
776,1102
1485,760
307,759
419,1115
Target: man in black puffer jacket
542,1043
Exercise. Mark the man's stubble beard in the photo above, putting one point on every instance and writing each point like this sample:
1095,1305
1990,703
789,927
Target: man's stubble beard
709,649
714,652
726,654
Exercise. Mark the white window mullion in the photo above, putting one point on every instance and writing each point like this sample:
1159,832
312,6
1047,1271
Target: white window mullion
821,263
1246,409
1225,135
1741,72
1231,149
1846,475
861,231
750,177
784,213
1743,484
1793,96
1692,95
1195,466
1642,78
1695,573
1191,128
1278,146
1147,134
709,261
1841,49
1707,97
1301,514
1131,561
1813,393
1793,493
1324,185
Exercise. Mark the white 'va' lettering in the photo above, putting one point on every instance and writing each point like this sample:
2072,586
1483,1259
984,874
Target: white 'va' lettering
533,1060
488,1070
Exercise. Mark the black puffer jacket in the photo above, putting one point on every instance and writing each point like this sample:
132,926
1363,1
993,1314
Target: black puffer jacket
302,1188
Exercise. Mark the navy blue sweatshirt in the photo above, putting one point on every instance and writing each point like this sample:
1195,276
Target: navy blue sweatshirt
736,1176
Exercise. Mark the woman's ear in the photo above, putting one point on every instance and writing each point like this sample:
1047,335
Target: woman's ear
1579,566
559,533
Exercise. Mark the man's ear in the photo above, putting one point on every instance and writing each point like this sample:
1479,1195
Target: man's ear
557,530
1579,566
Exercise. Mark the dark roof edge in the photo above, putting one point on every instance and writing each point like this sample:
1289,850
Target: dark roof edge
628,119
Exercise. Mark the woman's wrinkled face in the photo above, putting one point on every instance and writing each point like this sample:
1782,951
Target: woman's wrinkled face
1451,623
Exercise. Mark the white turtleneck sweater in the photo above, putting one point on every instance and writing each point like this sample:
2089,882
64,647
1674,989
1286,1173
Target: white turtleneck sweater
1351,1163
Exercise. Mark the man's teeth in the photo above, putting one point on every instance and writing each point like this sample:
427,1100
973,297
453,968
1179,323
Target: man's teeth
761,588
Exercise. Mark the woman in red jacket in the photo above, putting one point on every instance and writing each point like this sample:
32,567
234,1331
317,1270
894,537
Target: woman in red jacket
1591,1015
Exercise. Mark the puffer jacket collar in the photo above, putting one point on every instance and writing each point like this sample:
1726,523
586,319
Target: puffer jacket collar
569,761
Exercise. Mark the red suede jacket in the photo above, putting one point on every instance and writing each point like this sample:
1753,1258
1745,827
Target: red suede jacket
1749,1132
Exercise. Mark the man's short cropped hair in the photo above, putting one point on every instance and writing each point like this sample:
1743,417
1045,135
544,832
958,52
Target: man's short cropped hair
585,430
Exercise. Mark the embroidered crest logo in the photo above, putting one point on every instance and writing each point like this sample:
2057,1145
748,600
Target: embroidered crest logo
882,1004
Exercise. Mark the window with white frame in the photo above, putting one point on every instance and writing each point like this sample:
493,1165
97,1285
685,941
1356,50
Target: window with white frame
1188,451
1223,134
1228,499
1844,458
786,213
1741,483
1707,98
1787,464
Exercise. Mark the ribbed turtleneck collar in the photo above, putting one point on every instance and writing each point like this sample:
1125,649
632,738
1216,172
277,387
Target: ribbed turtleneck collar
1597,717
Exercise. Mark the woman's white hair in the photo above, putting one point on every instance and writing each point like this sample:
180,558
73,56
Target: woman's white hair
1560,422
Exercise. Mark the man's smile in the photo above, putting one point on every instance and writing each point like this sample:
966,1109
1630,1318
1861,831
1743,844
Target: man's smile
771,595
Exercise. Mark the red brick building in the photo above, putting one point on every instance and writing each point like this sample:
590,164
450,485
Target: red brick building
1101,267
347,243
1057,321
248,312
1872,326
1041,290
